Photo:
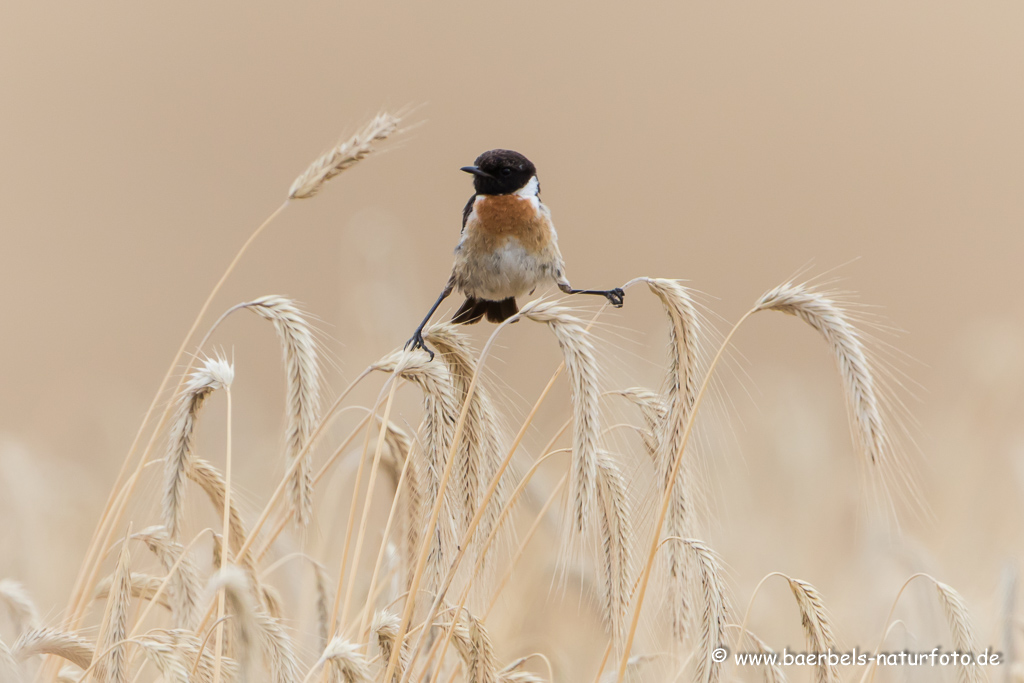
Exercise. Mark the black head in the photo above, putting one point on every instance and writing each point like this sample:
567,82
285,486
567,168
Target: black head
501,171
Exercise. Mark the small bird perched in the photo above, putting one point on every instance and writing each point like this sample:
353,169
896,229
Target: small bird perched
508,246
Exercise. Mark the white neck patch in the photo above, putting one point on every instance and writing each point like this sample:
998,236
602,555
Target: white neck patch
531,189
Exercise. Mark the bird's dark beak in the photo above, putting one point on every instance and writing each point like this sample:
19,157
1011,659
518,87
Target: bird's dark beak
476,170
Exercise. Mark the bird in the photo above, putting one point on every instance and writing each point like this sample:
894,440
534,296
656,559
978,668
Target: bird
508,245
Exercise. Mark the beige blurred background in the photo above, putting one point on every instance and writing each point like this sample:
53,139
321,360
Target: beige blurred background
730,144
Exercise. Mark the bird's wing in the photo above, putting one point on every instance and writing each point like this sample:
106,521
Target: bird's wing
468,210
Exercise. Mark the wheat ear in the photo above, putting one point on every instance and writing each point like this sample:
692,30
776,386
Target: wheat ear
168,659
143,586
254,630
184,583
216,373
302,370
832,322
714,608
581,367
960,628
480,451
344,663
48,641
654,411
398,457
113,668
20,607
385,628
343,156
441,411
817,626
615,534
474,648
680,394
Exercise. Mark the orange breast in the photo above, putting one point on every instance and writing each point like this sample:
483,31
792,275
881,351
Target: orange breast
496,218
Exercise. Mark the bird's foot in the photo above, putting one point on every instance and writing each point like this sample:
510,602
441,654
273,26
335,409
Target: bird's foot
615,296
417,342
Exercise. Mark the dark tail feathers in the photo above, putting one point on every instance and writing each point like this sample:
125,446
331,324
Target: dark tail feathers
472,310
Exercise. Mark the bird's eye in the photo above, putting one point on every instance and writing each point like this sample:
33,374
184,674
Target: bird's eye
506,171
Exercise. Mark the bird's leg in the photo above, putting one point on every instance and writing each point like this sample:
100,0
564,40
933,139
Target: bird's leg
614,296
416,342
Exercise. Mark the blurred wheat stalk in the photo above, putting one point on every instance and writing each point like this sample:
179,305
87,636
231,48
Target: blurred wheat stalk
454,492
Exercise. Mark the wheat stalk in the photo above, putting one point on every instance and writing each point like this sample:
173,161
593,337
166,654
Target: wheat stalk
343,156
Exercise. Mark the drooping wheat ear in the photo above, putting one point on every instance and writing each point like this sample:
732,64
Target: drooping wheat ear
480,453
513,674
190,647
654,411
48,641
615,534
385,629
271,600
441,412
143,586
833,323
709,592
323,604
772,671
168,659
19,606
397,448
344,662
960,628
817,627
475,649
681,386
254,629
303,406
343,156
581,367
211,481
185,584
216,373
113,668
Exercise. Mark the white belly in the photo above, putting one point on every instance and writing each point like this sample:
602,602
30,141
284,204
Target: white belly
509,271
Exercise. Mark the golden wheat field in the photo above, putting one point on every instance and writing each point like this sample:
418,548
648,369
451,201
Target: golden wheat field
796,453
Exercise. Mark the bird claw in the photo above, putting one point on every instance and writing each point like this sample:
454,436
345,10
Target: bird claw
417,342
615,296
